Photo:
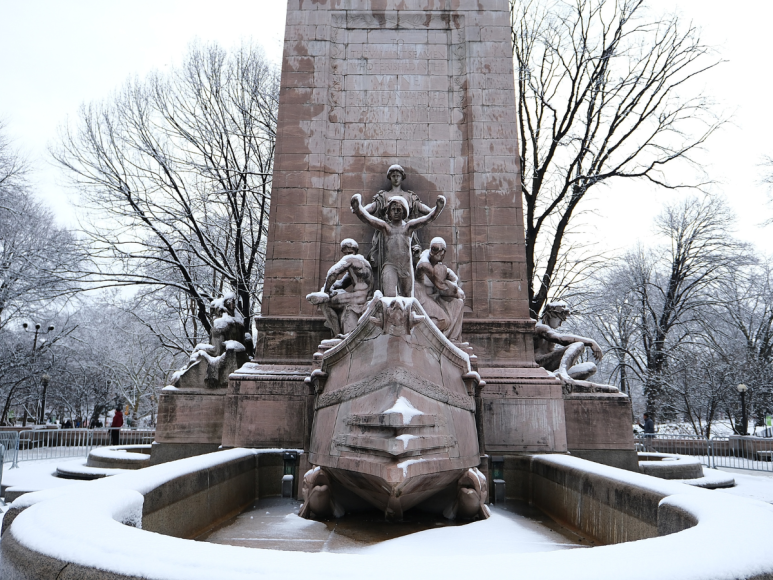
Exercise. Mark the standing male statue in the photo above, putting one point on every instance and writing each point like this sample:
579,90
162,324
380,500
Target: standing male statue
562,359
378,208
343,301
397,266
437,289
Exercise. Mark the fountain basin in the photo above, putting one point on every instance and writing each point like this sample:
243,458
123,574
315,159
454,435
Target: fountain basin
688,528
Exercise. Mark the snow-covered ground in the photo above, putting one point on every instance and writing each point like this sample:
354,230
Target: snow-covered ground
37,475
273,523
752,484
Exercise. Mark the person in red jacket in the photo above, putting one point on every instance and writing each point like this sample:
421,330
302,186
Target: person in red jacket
115,426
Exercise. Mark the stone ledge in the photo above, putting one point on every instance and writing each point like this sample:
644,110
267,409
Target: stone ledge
669,518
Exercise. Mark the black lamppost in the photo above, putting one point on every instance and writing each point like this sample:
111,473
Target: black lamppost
45,378
37,332
744,420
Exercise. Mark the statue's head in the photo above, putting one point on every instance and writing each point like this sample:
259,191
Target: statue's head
229,302
349,247
437,250
555,313
397,208
396,175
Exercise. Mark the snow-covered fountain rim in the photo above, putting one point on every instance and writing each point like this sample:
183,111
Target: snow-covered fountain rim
107,544
657,457
122,452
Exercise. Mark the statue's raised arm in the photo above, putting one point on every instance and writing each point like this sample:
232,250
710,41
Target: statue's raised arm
364,215
422,221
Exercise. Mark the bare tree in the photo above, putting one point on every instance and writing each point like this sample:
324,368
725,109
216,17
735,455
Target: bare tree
674,299
604,92
112,358
176,172
665,312
36,258
744,335
13,172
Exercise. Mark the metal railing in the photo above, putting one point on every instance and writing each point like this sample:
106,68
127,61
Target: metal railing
30,445
735,451
10,440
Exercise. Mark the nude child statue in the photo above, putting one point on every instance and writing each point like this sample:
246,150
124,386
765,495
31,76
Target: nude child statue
378,208
397,268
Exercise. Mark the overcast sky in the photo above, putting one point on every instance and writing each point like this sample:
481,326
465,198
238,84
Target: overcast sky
56,55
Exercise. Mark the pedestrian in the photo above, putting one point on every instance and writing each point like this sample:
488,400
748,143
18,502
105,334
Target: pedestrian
649,431
649,424
115,426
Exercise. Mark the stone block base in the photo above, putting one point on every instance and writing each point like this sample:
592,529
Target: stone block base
599,428
268,406
522,411
288,340
191,416
621,458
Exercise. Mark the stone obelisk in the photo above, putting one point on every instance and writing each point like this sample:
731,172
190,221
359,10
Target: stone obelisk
427,84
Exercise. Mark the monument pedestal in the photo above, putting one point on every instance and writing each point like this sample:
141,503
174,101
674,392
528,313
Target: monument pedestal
190,422
269,406
599,428
523,411
430,87
190,416
286,340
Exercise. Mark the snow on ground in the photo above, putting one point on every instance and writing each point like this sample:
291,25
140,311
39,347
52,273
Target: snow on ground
752,484
37,475
502,533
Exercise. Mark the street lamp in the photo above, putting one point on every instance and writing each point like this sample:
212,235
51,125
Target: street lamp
37,331
45,378
744,421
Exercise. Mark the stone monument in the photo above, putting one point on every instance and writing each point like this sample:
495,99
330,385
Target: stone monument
343,301
427,86
437,289
398,109
559,352
598,416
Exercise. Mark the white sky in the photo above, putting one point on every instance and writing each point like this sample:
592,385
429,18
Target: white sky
56,55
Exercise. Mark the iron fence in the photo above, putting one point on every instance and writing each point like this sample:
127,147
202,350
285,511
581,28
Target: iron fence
35,444
10,441
735,451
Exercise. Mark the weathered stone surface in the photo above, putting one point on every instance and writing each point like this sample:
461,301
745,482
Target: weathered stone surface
415,83
394,418
268,406
599,428
523,411
190,416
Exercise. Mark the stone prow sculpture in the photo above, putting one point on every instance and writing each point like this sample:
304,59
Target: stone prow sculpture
395,418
